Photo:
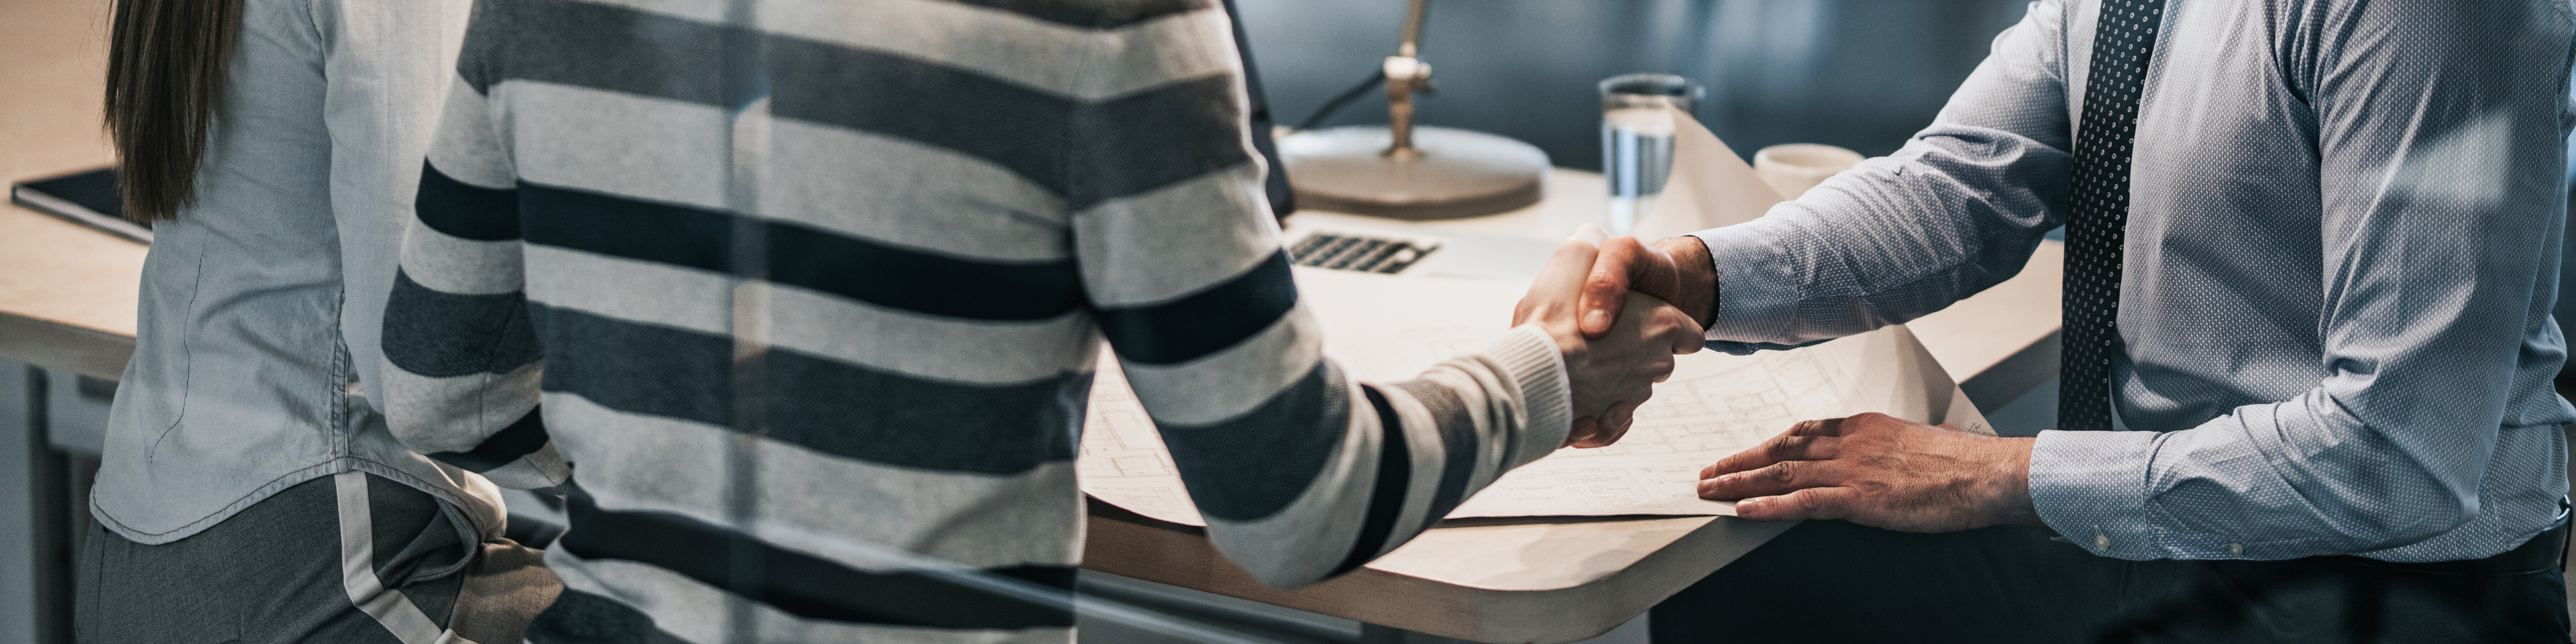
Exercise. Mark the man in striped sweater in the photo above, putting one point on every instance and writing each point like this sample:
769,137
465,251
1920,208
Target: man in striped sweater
811,291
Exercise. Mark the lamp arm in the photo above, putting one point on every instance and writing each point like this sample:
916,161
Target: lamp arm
1405,74
1412,44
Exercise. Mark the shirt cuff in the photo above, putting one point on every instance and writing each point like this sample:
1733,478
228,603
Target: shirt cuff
2091,487
1528,356
1761,294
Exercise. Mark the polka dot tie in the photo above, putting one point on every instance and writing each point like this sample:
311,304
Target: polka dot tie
2124,40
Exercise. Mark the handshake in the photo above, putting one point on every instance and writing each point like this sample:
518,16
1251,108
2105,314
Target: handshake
1616,344
1619,310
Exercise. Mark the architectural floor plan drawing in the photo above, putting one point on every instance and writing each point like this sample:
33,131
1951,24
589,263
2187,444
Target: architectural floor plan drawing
1713,406
1710,409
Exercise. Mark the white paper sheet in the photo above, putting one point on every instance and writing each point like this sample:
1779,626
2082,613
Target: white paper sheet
1386,328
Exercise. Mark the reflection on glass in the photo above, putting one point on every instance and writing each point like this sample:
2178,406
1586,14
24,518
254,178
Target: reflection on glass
1637,140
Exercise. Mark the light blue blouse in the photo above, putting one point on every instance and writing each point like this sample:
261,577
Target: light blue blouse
261,305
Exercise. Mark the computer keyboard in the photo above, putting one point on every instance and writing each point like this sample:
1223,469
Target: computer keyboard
1359,252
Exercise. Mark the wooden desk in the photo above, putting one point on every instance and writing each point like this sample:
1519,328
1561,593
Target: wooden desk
67,301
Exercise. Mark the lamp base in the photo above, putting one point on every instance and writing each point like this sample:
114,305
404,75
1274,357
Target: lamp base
1452,173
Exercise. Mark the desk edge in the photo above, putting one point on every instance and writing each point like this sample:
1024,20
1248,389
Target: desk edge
55,345
1168,553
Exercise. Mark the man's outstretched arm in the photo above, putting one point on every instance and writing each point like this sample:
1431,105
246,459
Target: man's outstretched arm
1959,209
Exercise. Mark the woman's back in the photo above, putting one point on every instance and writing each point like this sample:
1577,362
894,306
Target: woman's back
250,491
261,301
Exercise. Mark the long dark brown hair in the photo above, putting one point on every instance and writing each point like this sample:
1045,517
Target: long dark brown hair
166,61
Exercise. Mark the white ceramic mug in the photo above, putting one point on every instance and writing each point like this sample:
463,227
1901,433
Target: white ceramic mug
1792,168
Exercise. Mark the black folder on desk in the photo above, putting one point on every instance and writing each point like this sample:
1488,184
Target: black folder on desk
87,198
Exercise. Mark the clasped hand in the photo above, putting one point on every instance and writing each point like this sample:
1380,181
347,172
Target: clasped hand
1871,469
1609,372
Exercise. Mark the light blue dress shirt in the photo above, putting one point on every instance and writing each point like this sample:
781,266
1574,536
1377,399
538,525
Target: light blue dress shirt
256,344
2342,250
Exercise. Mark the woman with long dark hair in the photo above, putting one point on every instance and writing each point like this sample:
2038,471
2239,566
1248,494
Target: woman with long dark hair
250,490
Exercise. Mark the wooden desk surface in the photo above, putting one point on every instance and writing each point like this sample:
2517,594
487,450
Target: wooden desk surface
67,301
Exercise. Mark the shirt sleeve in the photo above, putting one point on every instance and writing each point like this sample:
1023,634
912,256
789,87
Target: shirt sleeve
1960,208
1301,471
461,360
2438,135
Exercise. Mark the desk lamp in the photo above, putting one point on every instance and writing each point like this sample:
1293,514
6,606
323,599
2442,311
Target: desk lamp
1405,171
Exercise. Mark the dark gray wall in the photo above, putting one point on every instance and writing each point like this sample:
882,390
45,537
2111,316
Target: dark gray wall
1862,74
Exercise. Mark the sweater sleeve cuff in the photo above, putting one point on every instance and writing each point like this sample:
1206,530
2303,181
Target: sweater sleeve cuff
1761,294
1529,358
2091,487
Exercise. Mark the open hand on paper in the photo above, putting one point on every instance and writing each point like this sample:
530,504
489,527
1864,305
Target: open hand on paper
1879,470
1611,372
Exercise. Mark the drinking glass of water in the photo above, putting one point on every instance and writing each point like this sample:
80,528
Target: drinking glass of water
1637,140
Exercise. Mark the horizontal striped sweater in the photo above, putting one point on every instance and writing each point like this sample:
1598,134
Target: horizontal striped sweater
812,293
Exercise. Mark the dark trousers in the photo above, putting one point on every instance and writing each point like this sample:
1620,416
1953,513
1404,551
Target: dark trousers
1833,581
286,570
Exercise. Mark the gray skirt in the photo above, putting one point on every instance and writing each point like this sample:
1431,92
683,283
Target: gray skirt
348,558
